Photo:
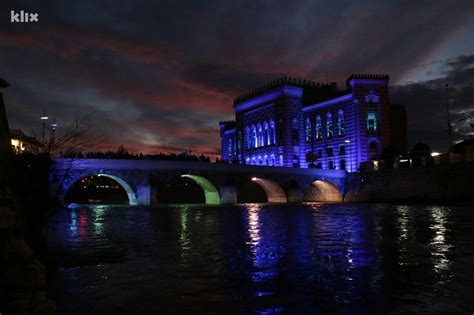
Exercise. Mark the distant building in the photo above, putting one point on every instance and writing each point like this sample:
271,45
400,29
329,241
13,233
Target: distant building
420,155
465,149
298,123
462,152
398,130
22,143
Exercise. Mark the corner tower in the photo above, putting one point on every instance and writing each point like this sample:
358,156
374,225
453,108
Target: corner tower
370,95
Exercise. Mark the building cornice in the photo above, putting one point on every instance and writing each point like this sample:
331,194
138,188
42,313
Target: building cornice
328,102
292,91
367,81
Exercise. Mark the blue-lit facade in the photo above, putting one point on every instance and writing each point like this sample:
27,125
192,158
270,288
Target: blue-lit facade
298,123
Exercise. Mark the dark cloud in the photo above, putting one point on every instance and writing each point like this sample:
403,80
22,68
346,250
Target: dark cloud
161,74
426,103
225,78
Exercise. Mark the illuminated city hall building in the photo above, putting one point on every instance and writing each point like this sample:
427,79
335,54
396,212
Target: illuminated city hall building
298,123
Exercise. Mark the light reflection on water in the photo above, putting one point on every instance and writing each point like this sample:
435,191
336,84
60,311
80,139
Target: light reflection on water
439,244
184,237
262,259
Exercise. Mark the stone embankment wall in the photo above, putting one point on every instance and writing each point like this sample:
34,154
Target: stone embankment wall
441,183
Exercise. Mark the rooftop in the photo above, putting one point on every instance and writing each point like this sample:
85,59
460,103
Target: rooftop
285,81
313,92
20,135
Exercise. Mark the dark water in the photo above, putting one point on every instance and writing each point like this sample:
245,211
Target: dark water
265,259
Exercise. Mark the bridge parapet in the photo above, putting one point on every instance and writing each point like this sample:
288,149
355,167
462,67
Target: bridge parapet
140,176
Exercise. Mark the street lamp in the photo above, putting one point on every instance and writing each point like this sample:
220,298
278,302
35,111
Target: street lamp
53,127
44,118
348,142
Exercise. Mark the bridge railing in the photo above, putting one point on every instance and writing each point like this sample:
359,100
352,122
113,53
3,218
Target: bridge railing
62,164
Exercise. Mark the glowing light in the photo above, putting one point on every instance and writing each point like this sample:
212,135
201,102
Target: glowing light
254,225
328,102
440,246
433,154
185,236
98,218
44,118
288,90
73,228
210,191
322,190
347,141
132,198
273,190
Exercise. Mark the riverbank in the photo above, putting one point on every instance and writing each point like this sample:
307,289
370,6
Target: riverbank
446,183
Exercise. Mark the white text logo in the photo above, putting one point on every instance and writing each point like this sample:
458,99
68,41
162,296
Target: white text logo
23,17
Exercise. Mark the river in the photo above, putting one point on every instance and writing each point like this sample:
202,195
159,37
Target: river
264,259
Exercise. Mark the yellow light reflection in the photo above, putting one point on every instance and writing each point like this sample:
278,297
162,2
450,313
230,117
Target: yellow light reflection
253,224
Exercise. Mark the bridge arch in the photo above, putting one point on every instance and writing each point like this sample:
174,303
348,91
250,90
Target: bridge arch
274,191
132,197
210,191
323,190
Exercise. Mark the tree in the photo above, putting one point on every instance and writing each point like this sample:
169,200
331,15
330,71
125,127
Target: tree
72,139
70,142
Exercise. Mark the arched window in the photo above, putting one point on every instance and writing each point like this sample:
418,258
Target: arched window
340,123
329,132
266,139
281,160
271,133
308,130
231,151
319,128
249,137
371,123
259,135
266,159
254,137
272,159
295,125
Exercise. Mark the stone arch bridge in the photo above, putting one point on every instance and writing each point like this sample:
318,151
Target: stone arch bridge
219,181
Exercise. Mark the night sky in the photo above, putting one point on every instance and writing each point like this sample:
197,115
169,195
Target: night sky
160,76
